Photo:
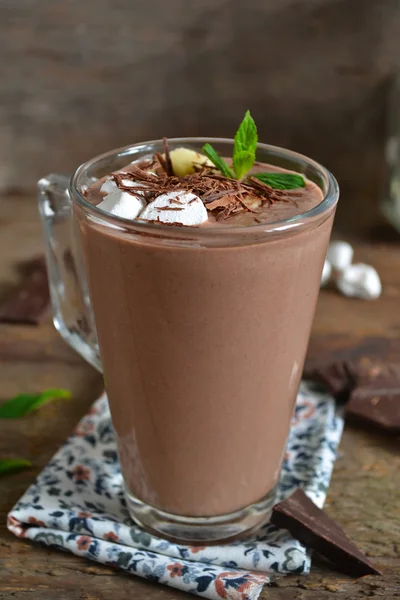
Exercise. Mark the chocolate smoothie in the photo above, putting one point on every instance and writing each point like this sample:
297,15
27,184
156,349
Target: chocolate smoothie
202,341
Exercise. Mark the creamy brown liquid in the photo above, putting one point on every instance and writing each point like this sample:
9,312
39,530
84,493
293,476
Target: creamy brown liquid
203,350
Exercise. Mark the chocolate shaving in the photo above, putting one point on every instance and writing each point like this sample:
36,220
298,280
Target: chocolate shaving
273,194
211,197
136,173
262,187
222,202
118,179
229,210
162,162
168,161
251,203
170,208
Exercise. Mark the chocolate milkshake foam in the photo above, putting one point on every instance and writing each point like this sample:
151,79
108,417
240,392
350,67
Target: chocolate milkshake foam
203,321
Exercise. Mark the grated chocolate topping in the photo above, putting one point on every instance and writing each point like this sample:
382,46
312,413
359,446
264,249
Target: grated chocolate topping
221,195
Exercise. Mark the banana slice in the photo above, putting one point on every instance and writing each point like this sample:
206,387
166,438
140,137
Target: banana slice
183,161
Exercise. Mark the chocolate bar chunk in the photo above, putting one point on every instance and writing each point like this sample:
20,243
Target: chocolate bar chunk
27,304
379,406
338,378
377,374
309,524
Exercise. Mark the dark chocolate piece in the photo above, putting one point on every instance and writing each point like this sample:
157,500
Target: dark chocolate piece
168,162
379,406
27,304
370,388
339,378
378,374
313,527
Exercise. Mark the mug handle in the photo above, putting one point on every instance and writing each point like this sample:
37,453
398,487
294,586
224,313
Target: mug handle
72,311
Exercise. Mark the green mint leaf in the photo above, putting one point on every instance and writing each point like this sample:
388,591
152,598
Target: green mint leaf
24,404
218,161
12,465
281,181
244,150
242,162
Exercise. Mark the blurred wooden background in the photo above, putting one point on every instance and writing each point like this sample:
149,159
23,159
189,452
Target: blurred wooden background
79,77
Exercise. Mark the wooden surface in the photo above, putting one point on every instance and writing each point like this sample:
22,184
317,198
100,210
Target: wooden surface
366,481
81,77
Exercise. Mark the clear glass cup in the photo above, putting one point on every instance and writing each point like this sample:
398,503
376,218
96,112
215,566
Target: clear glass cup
202,334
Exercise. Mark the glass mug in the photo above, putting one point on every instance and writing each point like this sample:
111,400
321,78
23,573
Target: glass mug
202,334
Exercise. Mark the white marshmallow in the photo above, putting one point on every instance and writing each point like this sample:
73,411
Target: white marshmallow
108,187
123,204
360,281
340,255
326,273
184,208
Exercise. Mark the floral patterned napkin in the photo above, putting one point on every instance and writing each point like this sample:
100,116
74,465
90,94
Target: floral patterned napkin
77,504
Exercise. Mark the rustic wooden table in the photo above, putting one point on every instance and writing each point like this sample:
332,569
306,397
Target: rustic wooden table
364,496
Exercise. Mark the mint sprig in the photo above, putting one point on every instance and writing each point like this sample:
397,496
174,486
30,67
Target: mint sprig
24,404
281,181
244,149
244,156
12,465
218,161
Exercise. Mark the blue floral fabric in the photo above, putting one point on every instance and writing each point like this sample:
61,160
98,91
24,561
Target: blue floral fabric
77,504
